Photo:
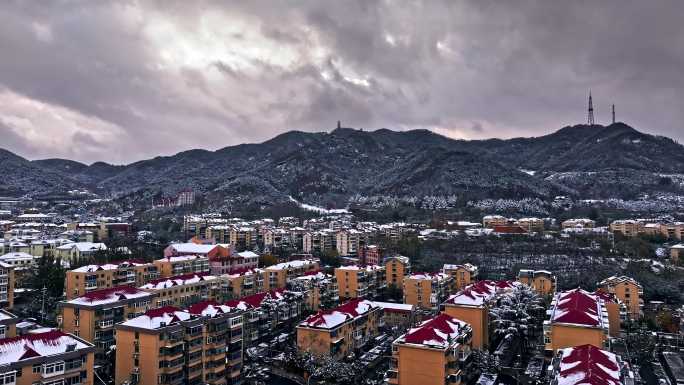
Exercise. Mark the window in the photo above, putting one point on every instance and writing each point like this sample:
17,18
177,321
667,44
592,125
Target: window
8,378
53,368
37,368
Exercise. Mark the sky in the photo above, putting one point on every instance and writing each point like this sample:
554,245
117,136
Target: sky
125,81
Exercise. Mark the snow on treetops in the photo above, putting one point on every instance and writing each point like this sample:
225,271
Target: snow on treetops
36,345
577,307
587,364
332,318
440,331
479,292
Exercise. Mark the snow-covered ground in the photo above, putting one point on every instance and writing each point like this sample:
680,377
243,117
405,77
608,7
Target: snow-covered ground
317,209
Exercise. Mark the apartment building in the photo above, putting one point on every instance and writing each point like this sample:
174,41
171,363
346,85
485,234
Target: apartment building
87,278
340,331
92,316
472,306
617,312
628,291
227,262
541,281
489,221
588,364
182,264
356,281
8,324
48,358
463,275
396,269
185,290
577,317
427,290
319,241
400,315
243,238
628,227
436,352
578,223
244,283
371,255
270,313
277,276
348,242
79,251
532,225
201,345
7,283
322,291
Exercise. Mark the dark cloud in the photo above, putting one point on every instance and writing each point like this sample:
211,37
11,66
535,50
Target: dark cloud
129,80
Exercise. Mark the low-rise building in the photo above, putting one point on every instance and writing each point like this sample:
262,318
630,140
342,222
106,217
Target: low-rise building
8,324
576,317
356,281
578,223
48,358
340,331
79,251
93,315
427,290
541,281
628,291
532,225
244,283
463,275
396,269
627,227
270,313
436,352
227,262
322,291
371,255
676,252
400,315
185,290
587,364
87,278
277,276
201,345
182,264
472,306
489,221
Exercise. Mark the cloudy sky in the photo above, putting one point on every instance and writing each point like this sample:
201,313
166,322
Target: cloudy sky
93,80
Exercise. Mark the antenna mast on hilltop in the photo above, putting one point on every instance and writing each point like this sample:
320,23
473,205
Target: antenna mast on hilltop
590,116
613,113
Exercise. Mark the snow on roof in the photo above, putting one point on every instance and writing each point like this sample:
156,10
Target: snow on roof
192,248
293,264
332,318
108,296
108,266
588,365
158,318
45,344
439,332
185,279
395,307
248,254
480,292
16,256
429,276
614,280
578,307
5,315
181,258
255,300
209,309
466,266
83,246
678,246
358,267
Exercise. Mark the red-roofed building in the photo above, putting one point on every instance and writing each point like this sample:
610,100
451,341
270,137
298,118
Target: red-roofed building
472,306
577,317
93,315
46,358
589,365
436,352
340,331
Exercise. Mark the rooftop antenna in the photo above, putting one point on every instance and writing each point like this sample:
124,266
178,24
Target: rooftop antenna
590,116
613,113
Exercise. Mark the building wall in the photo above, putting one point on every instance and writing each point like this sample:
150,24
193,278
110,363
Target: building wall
419,366
29,378
147,354
565,336
613,309
477,317
395,272
417,292
347,283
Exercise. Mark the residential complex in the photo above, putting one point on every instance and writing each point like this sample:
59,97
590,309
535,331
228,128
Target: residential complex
436,352
628,291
